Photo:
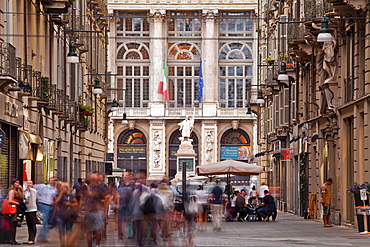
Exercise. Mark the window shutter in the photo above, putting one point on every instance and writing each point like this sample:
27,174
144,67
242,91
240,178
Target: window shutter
286,107
276,111
293,109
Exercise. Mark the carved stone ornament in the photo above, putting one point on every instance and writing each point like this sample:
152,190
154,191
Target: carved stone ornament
131,124
209,13
157,141
157,13
235,124
209,144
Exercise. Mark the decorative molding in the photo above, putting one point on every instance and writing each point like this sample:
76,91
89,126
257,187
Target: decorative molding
157,149
209,146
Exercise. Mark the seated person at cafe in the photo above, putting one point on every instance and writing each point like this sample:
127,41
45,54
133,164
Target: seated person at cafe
267,207
241,207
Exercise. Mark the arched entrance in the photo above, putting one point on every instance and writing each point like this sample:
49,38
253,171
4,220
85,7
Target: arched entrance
235,144
131,151
174,144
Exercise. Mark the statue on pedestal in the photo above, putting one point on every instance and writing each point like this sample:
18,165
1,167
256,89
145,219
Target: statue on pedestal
186,127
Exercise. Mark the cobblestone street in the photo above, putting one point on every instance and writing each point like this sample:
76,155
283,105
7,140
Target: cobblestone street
287,230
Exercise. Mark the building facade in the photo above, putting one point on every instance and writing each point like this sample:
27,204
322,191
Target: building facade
205,54
46,132
325,97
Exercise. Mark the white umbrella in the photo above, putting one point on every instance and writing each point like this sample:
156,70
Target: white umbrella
229,166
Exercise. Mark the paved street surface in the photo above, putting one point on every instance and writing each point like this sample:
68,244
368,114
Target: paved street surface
287,230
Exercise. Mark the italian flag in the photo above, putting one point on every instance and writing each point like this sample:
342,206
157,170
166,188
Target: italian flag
163,87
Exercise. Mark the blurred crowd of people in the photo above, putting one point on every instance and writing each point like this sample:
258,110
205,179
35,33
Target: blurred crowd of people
140,209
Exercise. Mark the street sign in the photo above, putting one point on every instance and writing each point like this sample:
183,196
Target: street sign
363,195
2,138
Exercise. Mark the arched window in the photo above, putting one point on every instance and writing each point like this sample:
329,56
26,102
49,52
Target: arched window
131,151
132,74
235,144
235,77
133,51
174,144
235,59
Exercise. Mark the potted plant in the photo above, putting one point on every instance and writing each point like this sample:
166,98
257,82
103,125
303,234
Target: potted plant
86,122
289,65
269,60
87,110
355,190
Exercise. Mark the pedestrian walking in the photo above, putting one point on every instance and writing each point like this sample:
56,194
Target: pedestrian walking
216,207
202,208
78,187
65,213
125,190
95,207
30,196
45,204
325,201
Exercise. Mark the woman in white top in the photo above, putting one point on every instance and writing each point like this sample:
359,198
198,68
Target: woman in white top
202,201
30,195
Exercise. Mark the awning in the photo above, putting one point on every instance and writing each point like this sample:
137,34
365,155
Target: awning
34,139
26,150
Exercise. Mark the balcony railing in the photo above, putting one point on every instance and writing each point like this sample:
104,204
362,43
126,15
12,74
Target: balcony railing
180,112
42,90
8,70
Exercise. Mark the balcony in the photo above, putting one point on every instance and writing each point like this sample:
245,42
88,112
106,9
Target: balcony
8,70
180,113
56,6
42,90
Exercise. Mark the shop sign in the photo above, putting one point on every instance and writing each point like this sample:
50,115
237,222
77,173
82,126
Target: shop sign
285,154
235,152
137,152
2,138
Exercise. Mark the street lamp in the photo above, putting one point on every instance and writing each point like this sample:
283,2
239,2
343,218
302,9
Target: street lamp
324,33
283,75
114,105
249,112
72,56
97,87
260,99
124,119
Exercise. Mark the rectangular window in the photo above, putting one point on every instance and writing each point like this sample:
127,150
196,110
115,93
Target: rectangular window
183,24
136,85
236,24
184,86
132,24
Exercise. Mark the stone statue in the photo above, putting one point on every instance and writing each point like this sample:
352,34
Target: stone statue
329,62
186,127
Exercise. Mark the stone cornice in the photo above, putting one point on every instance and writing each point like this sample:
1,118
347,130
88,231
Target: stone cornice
189,5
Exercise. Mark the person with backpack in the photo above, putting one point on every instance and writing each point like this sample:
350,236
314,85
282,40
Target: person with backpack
152,207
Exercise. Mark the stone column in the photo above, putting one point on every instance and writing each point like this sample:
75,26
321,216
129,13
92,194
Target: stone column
157,56
157,147
210,64
209,142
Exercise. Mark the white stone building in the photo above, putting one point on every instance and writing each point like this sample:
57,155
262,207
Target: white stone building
217,36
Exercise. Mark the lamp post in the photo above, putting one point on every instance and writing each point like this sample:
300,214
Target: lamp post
324,33
97,88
